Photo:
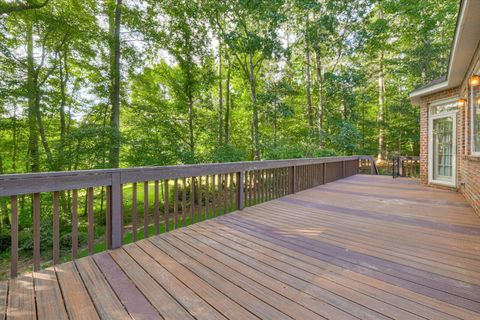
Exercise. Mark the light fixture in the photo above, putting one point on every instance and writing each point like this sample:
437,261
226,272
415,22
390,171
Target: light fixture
461,103
474,80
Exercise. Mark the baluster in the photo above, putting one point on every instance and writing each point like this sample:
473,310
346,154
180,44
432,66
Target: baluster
214,197
74,223
192,199
157,208
184,202
200,198
14,237
207,197
90,221
240,190
225,194
145,210
36,231
108,217
231,192
56,229
134,212
175,204
166,206
220,191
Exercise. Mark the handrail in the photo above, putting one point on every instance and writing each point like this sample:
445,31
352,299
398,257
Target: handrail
27,183
187,193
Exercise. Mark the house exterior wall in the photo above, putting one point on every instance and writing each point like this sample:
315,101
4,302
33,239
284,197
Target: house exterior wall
468,166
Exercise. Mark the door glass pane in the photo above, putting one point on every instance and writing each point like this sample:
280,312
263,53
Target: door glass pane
476,120
443,152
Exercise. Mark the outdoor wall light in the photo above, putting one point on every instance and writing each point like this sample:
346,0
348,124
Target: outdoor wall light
461,103
474,80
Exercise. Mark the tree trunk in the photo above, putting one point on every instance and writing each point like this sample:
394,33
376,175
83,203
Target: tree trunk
381,112
227,103
63,70
14,138
308,82
33,152
115,91
220,94
321,111
256,146
275,125
190,124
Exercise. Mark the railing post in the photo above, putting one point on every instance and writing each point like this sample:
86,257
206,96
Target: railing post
293,180
240,195
324,180
343,168
116,212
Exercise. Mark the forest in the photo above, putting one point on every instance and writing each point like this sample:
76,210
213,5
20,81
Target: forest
88,84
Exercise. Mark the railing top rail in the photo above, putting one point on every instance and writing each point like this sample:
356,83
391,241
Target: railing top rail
18,184
409,157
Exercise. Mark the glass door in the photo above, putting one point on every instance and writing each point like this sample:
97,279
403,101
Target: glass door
442,149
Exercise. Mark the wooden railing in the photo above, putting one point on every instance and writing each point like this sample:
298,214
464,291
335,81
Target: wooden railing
185,195
406,166
367,165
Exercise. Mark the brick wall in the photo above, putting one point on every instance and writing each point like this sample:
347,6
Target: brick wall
425,102
468,166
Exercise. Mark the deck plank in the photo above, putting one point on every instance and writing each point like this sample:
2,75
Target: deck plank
227,306
3,299
48,296
243,297
158,297
76,298
106,302
133,300
365,247
184,295
271,297
21,298
377,289
320,307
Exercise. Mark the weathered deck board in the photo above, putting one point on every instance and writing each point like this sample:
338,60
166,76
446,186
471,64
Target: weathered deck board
366,247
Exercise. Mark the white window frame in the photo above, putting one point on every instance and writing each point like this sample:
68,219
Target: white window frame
432,117
472,125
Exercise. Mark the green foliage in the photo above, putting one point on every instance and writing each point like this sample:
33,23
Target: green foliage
208,81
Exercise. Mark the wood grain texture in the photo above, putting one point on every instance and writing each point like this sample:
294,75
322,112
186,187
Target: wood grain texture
157,208
21,298
146,214
75,295
74,223
90,220
104,298
49,299
56,228
14,237
36,231
134,212
352,249
3,299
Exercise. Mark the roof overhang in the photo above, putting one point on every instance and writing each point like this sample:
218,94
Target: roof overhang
465,43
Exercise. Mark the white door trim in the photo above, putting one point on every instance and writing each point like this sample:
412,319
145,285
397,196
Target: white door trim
453,115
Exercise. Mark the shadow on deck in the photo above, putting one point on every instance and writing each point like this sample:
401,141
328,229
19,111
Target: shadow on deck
365,247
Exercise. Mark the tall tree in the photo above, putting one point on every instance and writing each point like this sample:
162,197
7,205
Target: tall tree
115,16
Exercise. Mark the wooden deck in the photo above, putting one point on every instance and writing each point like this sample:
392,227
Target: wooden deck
366,247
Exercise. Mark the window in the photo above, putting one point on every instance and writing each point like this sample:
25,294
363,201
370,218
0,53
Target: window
442,107
475,116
